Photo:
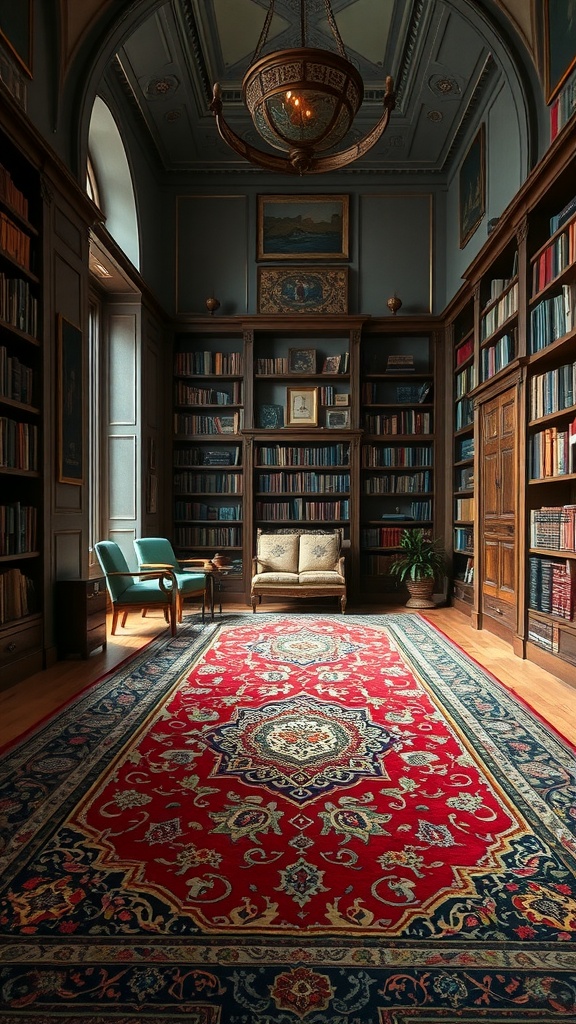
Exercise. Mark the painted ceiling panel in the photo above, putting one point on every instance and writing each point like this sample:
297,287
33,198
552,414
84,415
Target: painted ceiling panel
364,27
239,24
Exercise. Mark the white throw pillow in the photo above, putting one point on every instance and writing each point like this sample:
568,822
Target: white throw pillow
277,552
318,552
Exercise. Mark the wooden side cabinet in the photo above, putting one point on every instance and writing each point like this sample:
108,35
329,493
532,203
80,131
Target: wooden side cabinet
81,616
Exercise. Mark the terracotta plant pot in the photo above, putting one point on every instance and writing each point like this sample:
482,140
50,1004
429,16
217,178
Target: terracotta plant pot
420,593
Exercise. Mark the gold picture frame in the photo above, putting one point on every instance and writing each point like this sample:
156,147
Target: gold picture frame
303,227
303,290
302,407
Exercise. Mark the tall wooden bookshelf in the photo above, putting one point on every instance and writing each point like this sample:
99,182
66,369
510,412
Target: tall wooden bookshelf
463,511
320,429
21,387
524,281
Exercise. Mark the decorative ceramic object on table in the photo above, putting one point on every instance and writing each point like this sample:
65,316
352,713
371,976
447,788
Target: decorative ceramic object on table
212,305
394,304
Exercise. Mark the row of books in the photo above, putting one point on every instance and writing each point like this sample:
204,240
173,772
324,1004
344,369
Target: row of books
378,565
205,364
213,537
298,510
563,106
11,195
464,509
18,444
468,573
18,306
463,539
385,536
553,390
464,351
404,422
495,317
17,595
421,509
495,357
208,483
463,413
553,452
221,456
465,449
18,529
190,424
399,456
551,586
553,527
464,381
499,285
465,478
543,634
198,510
557,220
558,254
380,394
298,482
291,455
415,483
14,241
16,379
186,394
552,318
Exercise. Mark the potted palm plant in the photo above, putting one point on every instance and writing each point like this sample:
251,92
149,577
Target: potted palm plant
420,565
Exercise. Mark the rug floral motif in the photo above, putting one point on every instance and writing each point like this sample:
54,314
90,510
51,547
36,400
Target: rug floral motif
272,819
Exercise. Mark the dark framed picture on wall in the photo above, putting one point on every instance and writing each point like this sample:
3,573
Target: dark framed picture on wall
303,227
16,32
472,187
70,406
560,43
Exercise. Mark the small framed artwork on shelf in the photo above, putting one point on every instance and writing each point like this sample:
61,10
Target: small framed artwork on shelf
303,290
331,364
472,187
302,360
271,417
338,419
303,227
342,399
302,405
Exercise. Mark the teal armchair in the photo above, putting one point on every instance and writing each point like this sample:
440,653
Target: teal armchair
158,553
131,591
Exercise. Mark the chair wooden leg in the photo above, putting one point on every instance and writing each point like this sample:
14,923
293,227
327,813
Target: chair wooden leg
124,617
115,614
203,606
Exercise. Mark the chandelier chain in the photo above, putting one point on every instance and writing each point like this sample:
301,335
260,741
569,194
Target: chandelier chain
334,27
264,32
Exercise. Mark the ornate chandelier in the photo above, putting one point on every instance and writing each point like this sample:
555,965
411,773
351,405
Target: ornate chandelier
302,102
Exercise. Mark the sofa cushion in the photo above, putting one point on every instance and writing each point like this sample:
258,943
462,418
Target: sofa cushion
270,578
320,578
318,552
277,553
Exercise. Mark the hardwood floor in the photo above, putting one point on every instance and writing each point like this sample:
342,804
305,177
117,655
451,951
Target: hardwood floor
25,704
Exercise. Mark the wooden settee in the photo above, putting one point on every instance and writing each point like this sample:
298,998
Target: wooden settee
295,563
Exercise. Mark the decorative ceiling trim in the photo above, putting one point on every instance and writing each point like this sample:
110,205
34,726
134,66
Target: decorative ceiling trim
196,53
486,74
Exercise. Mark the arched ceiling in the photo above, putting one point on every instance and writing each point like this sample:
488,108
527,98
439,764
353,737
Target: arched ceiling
443,54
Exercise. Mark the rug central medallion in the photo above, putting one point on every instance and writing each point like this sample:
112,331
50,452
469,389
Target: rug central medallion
301,747
303,647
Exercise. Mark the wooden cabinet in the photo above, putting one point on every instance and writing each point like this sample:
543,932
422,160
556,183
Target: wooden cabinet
81,616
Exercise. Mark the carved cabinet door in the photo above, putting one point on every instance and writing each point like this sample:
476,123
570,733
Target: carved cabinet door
498,473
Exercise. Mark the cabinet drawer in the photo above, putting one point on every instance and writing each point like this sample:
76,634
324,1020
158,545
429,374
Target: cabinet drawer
21,642
497,609
96,602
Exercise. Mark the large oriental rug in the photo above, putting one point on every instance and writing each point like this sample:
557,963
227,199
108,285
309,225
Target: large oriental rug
271,819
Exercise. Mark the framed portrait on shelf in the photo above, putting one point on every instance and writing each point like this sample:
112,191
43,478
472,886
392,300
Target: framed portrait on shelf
472,190
70,411
338,419
303,227
302,360
303,290
331,364
16,30
302,407
560,43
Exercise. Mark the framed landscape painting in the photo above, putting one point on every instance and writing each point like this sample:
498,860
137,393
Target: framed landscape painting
303,227
560,43
303,290
472,193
